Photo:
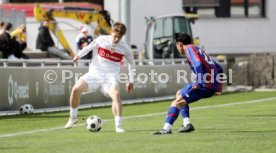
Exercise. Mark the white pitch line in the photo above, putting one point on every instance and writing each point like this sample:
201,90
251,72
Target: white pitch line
139,116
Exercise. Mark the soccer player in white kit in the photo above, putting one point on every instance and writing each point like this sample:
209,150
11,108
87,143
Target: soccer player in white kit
108,52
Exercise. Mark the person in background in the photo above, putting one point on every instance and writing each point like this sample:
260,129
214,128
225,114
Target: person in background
19,40
2,27
44,42
5,42
8,27
83,40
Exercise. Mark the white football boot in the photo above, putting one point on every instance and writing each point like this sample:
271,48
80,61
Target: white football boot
119,129
71,122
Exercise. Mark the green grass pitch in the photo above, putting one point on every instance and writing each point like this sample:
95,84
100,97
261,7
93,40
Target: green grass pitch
230,123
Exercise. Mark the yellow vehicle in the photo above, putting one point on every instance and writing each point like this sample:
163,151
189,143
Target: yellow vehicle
84,15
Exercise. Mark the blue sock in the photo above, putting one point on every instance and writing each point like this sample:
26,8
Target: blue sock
185,111
172,115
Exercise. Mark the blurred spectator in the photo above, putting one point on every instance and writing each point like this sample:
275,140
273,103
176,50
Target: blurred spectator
5,43
8,45
2,27
14,51
135,52
82,40
196,41
8,27
44,42
19,41
19,34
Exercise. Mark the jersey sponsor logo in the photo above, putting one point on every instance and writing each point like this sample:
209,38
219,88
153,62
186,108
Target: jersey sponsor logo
110,55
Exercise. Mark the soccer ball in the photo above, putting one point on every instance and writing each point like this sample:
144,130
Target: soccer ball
94,123
26,109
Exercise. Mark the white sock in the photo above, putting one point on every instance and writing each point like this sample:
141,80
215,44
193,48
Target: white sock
118,121
74,112
167,126
186,121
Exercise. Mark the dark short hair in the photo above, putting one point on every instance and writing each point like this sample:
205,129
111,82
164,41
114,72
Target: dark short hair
183,37
9,26
119,27
2,23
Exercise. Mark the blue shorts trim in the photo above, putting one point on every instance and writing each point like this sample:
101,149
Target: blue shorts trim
191,95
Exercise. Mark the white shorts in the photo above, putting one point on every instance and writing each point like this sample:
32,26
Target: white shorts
95,82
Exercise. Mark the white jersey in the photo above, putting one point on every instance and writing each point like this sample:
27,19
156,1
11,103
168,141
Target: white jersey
107,57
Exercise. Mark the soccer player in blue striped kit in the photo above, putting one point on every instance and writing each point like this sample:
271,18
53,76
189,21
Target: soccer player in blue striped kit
207,83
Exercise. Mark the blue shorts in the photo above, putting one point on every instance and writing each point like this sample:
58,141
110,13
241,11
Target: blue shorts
191,95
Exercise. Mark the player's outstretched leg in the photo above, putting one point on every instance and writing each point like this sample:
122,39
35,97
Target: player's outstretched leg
117,107
172,115
79,87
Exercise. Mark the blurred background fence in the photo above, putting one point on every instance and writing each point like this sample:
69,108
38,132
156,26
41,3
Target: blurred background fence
16,18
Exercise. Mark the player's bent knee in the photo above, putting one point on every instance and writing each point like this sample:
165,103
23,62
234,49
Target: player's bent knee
76,90
178,103
115,93
183,103
79,87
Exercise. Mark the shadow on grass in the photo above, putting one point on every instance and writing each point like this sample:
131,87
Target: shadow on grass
132,130
146,131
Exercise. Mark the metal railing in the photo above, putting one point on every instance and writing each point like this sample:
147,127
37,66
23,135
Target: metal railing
81,63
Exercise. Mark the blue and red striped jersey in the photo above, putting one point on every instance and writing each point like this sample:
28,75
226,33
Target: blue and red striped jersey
205,69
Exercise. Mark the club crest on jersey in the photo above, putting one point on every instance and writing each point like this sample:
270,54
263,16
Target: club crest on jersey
112,49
